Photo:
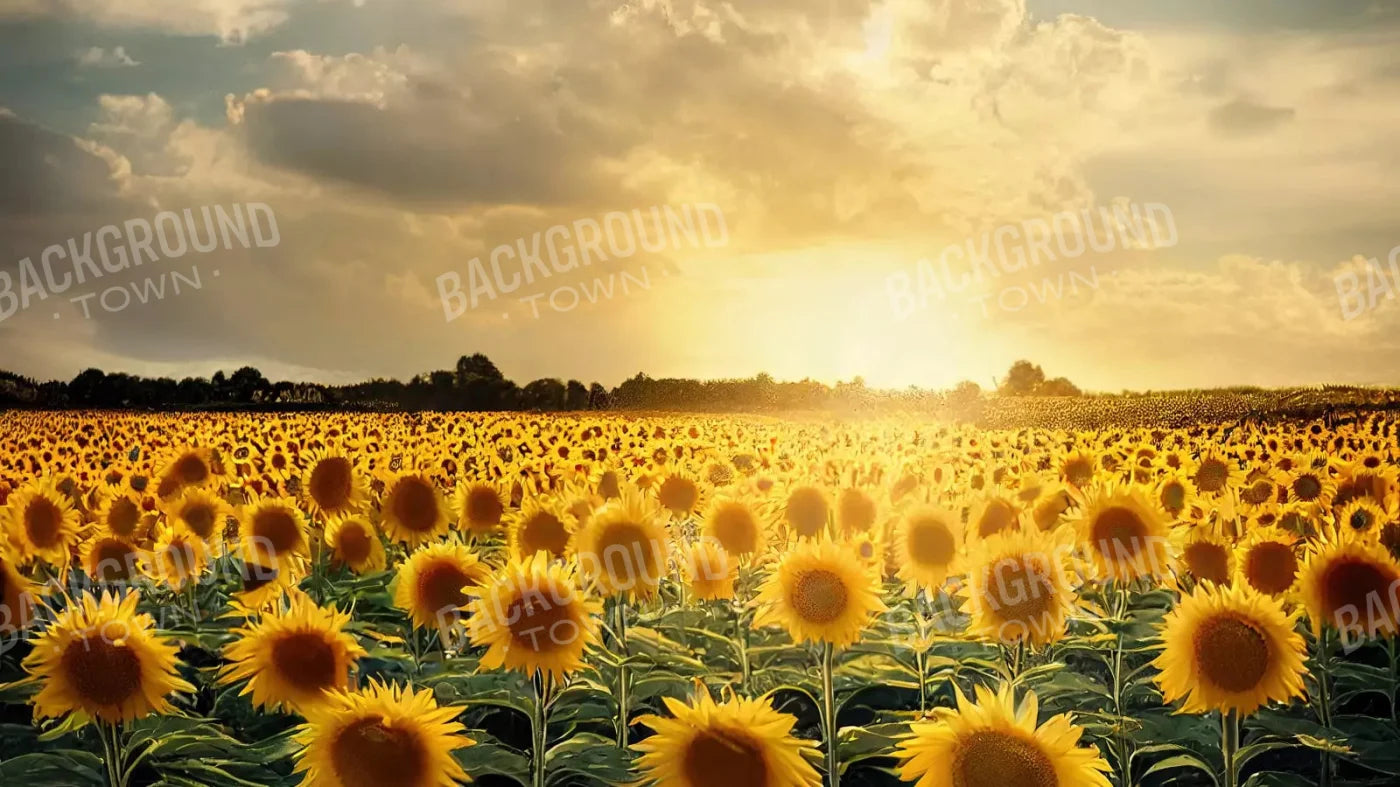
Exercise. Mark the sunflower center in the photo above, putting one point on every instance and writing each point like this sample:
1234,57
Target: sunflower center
353,544
330,484
256,576
736,529
440,586
543,532
415,505
1208,561
1307,488
278,528
1173,497
371,753
625,552
1019,589
1211,475
484,507
539,623
42,521
1271,567
199,518
806,511
857,511
678,494
123,516
719,757
608,486
1360,519
819,596
1078,471
996,759
1231,653
930,543
191,469
1353,584
102,672
997,517
1119,531
305,660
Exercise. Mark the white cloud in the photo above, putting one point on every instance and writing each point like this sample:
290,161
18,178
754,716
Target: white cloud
97,57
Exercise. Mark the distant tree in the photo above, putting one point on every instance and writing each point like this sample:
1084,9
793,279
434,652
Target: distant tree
476,365
964,393
598,398
544,394
83,389
248,385
1023,379
1058,387
575,396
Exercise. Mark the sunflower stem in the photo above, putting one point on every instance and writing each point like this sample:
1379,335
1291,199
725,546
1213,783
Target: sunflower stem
1323,704
110,734
1120,740
620,612
1394,655
1230,746
833,762
539,728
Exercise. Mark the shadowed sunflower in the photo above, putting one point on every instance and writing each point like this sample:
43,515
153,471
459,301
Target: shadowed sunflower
1348,581
42,522
624,547
414,510
99,657
18,597
262,584
1047,511
991,742
290,658
481,507
820,592
332,486
532,617
856,511
433,581
1309,485
993,513
709,570
1229,649
1205,555
1018,588
1266,561
1175,495
739,743
274,530
202,512
541,525
1125,534
733,522
383,736
178,558
354,542
927,541
111,560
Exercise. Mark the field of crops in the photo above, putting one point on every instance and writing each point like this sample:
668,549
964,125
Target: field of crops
419,600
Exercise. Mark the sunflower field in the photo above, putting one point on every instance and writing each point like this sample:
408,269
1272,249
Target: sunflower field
431,599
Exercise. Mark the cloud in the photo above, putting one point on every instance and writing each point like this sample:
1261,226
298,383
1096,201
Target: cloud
97,57
1243,116
232,21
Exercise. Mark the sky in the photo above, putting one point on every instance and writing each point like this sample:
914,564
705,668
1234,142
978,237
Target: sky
1132,194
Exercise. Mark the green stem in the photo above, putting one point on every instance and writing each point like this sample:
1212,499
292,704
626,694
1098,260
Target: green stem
833,762
112,753
1324,703
1230,746
741,639
539,727
1394,653
620,624
921,666
1120,739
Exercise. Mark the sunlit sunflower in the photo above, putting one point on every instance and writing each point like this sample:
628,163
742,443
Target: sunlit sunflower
738,743
261,585
681,494
624,548
710,570
432,582
99,657
354,542
481,507
178,557
332,485
274,530
414,510
1125,534
42,522
1205,555
991,742
820,592
1175,495
1229,649
927,542
383,736
1018,588
1048,510
202,512
120,516
289,658
19,598
1309,485
541,524
1348,581
1213,473
532,617
1077,468
1266,560
856,511
108,559
993,512
734,523
806,510
1362,514
186,467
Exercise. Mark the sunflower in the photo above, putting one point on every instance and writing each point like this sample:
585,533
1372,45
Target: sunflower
856,511
709,569
332,485
1229,649
1205,555
18,597
1348,575
1077,468
738,743
100,658
1213,473
432,581
274,530
820,592
203,513
481,507
42,522
1309,485
383,736
354,542
542,525
111,560
1175,495
1362,514
290,658
414,510
179,557
120,516
994,512
681,494
532,617
190,466
1125,534
261,584
1266,561
1047,510
1018,588
624,548
991,742
806,509
927,541
736,526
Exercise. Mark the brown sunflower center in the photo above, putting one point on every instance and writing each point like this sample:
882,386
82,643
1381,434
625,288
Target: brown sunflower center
353,543
1212,475
857,511
1231,653
123,516
998,516
1307,488
483,508
199,518
1208,561
414,504
930,542
373,753
191,469
1019,589
306,660
1119,531
678,494
996,759
440,585
626,554
1358,585
1173,497
719,757
543,532
819,596
608,485
100,671
736,529
113,560
540,623
806,511
1271,567
1078,471
278,529
331,483
43,523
